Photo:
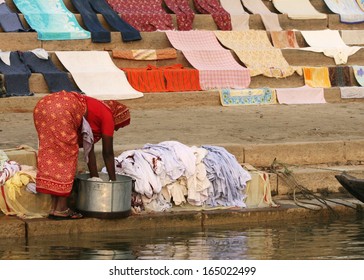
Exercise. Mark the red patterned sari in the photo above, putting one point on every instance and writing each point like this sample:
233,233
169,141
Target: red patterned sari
58,119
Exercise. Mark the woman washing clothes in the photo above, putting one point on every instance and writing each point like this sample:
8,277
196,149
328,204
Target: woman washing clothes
66,121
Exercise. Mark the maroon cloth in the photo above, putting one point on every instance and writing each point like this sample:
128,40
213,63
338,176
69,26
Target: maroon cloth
184,13
219,14
144,15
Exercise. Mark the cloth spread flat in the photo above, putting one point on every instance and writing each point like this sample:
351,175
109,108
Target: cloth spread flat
349,10
270,20
330,43
256,52
352,92
51,19
359,74
317,77
239,17
353,37
9,20
185,15
298,9
218,13
96,75
284,39
340,76
216,65
145,54
235,97
144,15
300,95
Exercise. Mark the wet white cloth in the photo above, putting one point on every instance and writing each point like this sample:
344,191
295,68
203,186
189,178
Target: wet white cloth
330,43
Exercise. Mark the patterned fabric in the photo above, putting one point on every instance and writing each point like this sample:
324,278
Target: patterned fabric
317,77
284,39
359,74
218,13
145,54
256,52
301,95
51,19
216,65
257,96
239,17
349,10
361,4
120,113
57,119
340,76
144,15
184,13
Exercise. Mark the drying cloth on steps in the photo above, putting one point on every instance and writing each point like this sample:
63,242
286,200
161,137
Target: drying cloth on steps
317,77
300,95
298,9
328,42
179,78
270,20
185,15
216,65
234,97
89,9
55,78
257,53
144,15
51,19
9,20
96,75
348,10
284,39
340,76
353,37
146,79
219,14
2,86
239,17
145,54
359,74
16,76
352,92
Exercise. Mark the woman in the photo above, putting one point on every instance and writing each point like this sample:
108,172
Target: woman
60,119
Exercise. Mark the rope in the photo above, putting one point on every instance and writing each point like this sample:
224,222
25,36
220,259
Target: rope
287,176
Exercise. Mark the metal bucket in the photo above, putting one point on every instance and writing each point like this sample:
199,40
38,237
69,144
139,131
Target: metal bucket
104,199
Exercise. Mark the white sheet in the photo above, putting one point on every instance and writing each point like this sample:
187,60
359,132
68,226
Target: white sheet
96,75
239,17
298,9
330,43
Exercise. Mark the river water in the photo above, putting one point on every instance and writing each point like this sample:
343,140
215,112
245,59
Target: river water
338,239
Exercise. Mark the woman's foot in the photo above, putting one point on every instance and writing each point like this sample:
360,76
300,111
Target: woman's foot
67,214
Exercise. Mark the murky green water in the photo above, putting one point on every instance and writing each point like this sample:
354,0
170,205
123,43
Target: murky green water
337,239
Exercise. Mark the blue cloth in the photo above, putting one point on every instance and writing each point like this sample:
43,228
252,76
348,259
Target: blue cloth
55,78
16,76
51,19
89,17
128,32
227,176
10,21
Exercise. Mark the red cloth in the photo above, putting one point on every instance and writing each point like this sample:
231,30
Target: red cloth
144,15
165,78
100,118
58,119
184,13
148,79
219,14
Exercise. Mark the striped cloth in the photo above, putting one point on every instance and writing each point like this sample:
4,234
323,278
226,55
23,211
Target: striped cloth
145,54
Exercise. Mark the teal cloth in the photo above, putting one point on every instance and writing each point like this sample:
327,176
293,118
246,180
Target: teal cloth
51,19
359,74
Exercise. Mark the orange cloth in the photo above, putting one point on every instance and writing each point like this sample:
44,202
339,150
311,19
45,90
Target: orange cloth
147,79
179,78
57,119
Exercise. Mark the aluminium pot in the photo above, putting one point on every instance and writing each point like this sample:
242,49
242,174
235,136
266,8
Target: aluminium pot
106,199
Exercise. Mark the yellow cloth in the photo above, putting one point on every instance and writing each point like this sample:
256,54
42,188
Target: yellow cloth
317,77
16,200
